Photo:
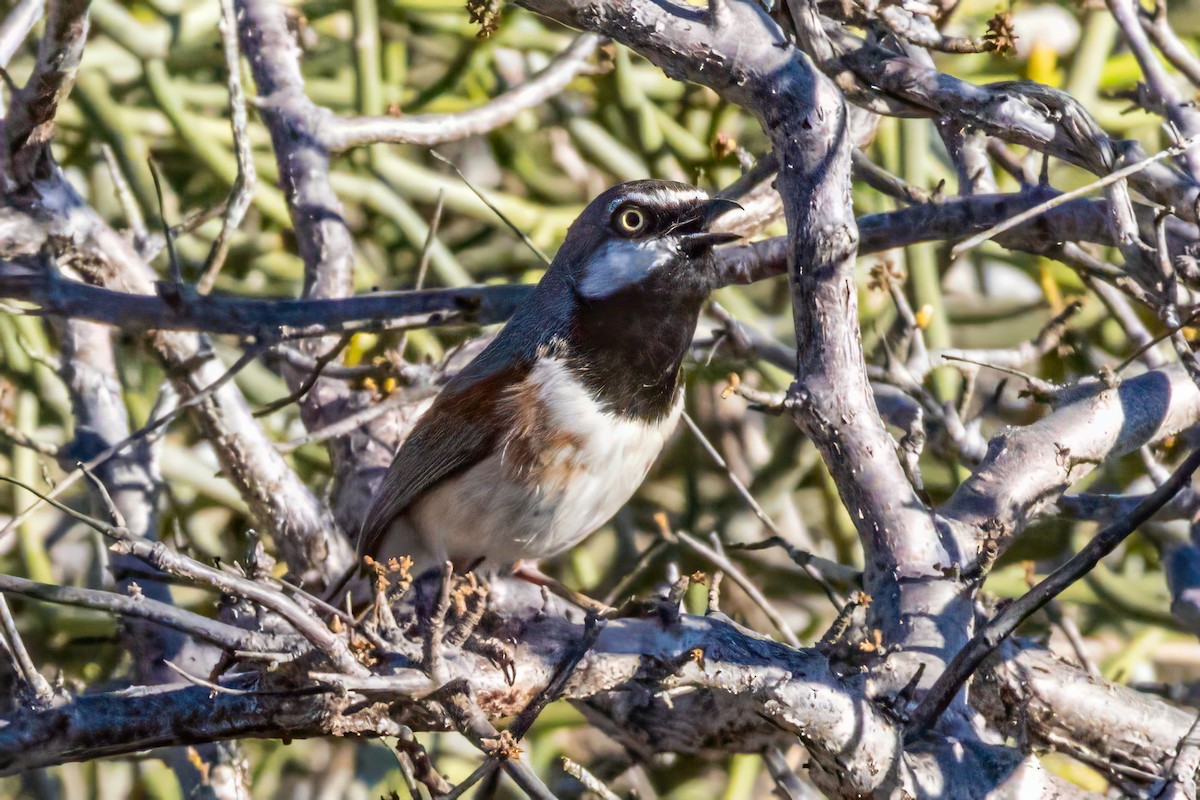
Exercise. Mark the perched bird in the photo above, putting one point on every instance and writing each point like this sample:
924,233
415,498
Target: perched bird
545,435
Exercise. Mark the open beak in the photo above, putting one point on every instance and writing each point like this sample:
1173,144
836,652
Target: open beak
704,240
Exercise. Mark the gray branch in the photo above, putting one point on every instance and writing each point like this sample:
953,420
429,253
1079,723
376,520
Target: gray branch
642,681
140,606
29,124
281,504
26,280
430,129
1028,469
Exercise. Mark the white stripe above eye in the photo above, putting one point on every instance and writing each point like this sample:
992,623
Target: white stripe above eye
620,263
659,198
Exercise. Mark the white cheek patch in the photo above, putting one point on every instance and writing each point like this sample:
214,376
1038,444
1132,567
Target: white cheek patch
620,264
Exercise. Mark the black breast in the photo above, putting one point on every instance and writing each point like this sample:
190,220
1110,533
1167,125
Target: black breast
627,348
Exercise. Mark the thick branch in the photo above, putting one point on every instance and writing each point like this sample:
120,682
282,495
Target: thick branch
640,677
224,314
1028,469
1031,694
29,125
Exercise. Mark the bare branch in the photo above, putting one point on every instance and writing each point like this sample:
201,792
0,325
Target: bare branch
1159,29
36,688
1107,180
217,314
589,781
242,192
1032,694
1078,220
17,25
1021,112
718,559
745,675
161,557
29,124
1027,469
432,129
1007,621
1179,112
139,606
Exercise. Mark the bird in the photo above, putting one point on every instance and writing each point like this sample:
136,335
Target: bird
550,430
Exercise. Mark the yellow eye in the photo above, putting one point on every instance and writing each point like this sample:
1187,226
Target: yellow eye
630,220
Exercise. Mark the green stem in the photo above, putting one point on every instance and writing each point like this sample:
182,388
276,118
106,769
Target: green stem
926,279
216,155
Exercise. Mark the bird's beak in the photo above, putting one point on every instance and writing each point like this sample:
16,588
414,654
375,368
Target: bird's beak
703,240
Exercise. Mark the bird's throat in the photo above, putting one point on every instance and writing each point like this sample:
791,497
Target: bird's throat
628,351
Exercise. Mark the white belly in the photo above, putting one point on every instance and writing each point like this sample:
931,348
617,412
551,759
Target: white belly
502,510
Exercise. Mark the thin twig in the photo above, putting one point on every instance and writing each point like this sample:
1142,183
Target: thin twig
589,781
524,237
168,234
1181,772
242,192
716,456
37,687
129,204
1157,340
618,593
310,380
142,607
558,681
11,434
435,222
1065,197
114,513
195,681
748,586
347,423
487,767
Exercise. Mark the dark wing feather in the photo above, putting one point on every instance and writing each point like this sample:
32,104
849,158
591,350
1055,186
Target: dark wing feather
464,426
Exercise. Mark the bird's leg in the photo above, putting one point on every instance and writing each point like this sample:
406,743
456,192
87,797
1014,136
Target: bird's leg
468,602
528,571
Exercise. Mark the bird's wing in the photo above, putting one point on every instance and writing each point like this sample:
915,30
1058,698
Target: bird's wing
464,426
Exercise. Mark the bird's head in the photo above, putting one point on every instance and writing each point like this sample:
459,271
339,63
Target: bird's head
651,236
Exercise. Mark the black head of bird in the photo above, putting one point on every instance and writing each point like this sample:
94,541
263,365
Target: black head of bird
550,430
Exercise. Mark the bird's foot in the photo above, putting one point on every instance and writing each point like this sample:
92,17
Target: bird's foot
528,571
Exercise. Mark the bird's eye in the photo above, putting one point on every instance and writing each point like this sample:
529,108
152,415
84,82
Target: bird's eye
630,220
